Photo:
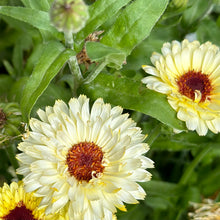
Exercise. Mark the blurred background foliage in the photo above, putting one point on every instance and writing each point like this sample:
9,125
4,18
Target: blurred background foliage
34,73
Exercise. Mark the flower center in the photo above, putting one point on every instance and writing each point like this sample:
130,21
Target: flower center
193,83
84,161
20,212
2,118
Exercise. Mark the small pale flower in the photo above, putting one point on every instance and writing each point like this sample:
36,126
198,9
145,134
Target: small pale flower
16,203
189,74
208,210
84,161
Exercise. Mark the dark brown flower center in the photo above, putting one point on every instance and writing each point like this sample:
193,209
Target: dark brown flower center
84,161
2,118
20,212
192,82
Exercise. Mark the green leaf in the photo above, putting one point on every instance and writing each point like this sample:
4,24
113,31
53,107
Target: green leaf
162,189
134,24
157,202
36,18
178,142
6,82
99,52
40,5
33,59
100,12
17,88
204,34
136,212
24,42
26,3
10,69
131,94
51,61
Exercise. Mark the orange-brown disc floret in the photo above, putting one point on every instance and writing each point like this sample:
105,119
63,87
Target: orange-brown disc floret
84,161
191,81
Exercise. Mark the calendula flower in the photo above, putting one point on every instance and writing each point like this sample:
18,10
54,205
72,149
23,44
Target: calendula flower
207,210
189,73
16,203
86,162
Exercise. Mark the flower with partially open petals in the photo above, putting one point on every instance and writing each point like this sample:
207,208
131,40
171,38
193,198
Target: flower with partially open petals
84,161
16,203
189,74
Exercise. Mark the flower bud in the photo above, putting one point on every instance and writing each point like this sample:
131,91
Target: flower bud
69,15
10,121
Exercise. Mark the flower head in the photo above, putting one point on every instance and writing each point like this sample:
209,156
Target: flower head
15,203
189,73
85,161
208,210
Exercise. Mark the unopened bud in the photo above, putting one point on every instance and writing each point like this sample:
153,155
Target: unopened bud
2,118
69,15
10,121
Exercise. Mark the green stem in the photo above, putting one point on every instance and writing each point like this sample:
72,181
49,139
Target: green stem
73,63
189,170
94,73
75,70
153,135
68,39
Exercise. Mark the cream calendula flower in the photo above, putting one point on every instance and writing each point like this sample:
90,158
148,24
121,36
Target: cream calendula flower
16,203
84,161
189,74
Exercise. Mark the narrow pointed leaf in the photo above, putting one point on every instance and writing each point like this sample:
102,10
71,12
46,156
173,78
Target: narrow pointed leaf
36,18
51,61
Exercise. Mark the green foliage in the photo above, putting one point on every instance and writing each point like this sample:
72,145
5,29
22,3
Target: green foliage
131,94
100,12
131,27
51,61
36,18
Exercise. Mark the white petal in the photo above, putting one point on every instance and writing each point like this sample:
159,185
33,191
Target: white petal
151,70
202,128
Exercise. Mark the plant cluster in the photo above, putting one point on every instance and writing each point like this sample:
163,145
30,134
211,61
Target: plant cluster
157,62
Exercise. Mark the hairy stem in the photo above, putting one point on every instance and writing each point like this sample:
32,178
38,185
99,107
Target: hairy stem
73,63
